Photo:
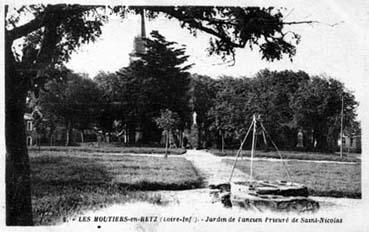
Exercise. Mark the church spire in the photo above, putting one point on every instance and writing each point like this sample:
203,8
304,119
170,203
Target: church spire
139,41
143,29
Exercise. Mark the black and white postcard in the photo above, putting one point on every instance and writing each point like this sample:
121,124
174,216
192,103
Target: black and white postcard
185,116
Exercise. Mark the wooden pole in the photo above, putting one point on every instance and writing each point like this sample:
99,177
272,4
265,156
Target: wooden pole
341,148
239,151
252,145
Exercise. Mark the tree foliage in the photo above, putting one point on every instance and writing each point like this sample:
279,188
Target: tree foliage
287,101
113,102
158,80
167,121
238,27
270,96
73,101
317,106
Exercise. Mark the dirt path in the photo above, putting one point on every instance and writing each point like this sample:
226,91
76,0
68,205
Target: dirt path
212,168
196,207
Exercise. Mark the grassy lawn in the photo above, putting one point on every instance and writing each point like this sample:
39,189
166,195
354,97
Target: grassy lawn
111,149
65,183
291,155
322,179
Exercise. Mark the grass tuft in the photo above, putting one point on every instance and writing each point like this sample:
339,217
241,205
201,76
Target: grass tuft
290,155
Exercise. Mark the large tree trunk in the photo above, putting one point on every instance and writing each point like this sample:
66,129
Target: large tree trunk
17,174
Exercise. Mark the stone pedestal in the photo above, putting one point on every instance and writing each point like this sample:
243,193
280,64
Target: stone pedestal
300,139
194,137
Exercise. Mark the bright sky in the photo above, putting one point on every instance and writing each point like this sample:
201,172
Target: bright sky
337,51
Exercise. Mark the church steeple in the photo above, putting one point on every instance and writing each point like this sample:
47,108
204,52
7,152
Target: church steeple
143,29
139,43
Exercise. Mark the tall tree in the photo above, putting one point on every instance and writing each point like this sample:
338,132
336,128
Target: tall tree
317,106
156,82
168,121
287,101
113,105
230,114
270,96
49,37
53,32
75,101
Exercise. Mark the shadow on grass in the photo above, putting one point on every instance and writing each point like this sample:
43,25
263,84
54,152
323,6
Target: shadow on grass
112,149
63,185
54,204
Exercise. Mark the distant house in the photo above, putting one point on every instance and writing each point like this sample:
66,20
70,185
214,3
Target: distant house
31,135
350,143
56,137
52,132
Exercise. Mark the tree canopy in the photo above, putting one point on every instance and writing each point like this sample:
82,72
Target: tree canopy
287,102
75,102
317,106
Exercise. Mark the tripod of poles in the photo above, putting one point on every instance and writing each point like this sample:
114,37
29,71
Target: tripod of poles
253,127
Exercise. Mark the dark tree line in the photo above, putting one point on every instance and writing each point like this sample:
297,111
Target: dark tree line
135,96
73,101
287,102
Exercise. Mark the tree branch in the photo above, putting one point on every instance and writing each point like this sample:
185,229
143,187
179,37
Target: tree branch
42,19
300,22
220,21
198,25
25,29
310,22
